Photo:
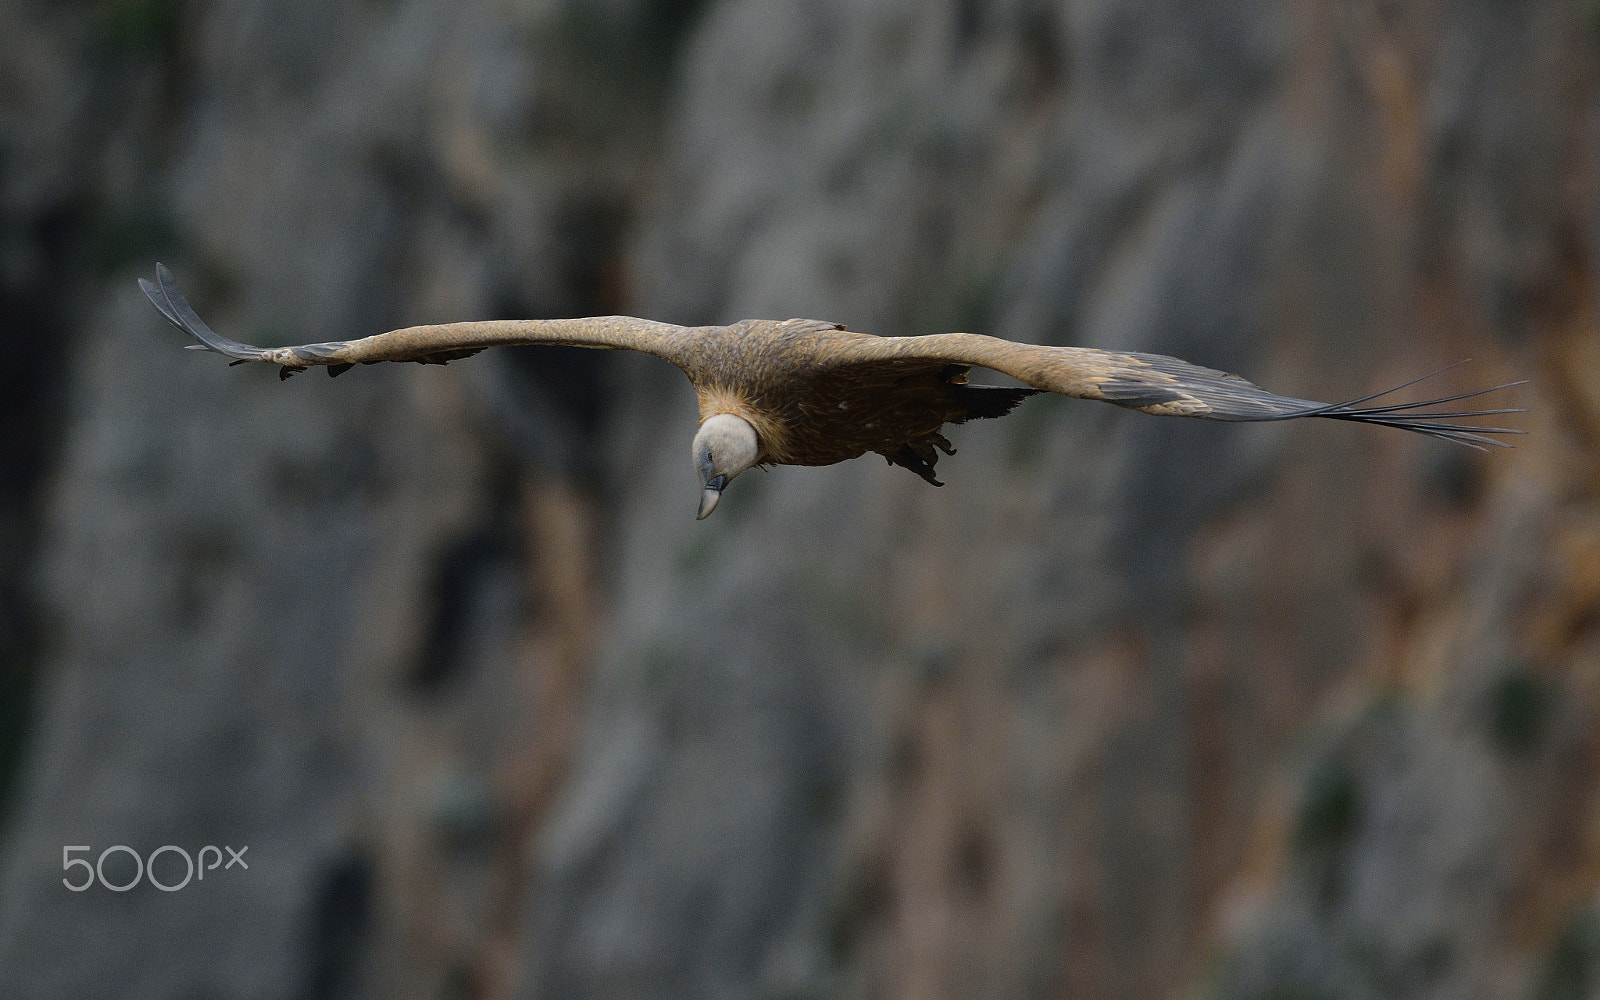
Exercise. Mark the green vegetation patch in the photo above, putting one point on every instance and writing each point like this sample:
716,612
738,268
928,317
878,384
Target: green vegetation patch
1572,968
139,27
1331,809
118,238
1519,706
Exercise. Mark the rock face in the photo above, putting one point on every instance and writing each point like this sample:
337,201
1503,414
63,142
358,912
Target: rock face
1131,708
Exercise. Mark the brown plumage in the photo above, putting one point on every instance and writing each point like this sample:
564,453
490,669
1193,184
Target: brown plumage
814,393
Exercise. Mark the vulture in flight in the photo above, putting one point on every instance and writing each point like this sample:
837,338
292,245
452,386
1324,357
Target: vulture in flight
805,392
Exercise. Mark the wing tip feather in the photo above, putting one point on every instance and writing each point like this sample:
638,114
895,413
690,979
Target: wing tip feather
1412,417
169,300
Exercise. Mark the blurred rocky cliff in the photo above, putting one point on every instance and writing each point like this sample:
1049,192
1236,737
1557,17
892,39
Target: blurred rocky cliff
1131,708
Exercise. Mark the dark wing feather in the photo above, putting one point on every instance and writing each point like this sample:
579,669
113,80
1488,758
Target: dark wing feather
1157,384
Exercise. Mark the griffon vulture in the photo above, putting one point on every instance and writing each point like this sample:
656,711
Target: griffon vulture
804,392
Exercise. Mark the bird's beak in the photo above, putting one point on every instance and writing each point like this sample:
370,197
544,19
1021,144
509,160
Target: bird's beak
708,499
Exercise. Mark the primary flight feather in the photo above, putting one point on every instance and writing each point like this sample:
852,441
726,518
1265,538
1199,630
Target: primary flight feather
804,392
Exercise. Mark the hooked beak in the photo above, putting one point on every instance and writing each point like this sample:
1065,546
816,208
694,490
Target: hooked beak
708,499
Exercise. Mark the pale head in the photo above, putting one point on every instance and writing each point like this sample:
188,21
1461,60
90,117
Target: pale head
725,446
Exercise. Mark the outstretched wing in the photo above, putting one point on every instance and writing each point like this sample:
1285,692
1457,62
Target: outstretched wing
1168,387
429,345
